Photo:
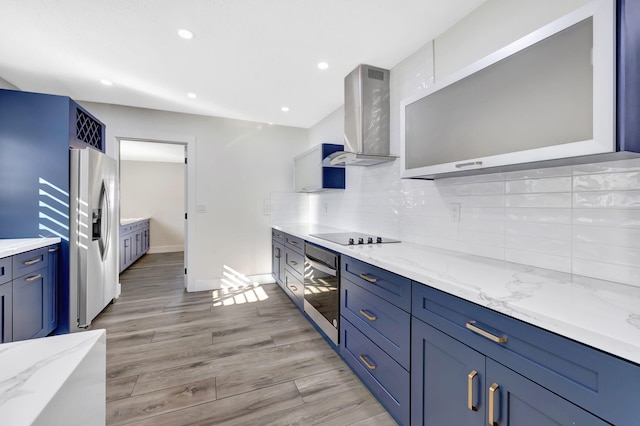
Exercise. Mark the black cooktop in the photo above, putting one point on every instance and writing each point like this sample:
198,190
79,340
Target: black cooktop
354,238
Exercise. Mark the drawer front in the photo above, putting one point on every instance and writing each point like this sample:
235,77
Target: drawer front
294,288
594,380
124,229
28,299
277,235
384,377
27,262
5,269
295,261
387,285
294,243
384,323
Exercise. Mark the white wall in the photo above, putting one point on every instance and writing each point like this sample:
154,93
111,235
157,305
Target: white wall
582,219
156,190
238,165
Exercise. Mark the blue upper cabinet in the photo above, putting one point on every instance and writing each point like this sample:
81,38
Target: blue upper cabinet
311,174
628,68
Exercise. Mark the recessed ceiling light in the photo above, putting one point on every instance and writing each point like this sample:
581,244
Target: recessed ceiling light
185,34
192,95
323,65
106,82
285,109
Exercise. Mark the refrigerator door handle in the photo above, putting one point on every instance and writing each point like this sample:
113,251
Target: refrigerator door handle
100,222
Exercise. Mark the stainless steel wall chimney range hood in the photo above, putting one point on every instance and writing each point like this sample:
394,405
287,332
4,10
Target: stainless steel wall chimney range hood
366,118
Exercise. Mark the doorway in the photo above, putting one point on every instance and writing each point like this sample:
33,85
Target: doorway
154,186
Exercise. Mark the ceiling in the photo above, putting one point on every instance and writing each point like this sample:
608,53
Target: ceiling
247,59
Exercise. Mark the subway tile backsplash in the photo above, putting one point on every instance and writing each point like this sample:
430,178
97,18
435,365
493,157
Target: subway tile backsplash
582,219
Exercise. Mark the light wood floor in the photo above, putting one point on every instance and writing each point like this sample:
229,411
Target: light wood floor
244,358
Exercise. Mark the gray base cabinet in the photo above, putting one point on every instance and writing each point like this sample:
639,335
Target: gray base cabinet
134,242
28,302
277,257
287,265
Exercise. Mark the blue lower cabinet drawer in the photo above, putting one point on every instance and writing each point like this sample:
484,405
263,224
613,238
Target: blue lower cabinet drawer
383,322
294,288
295,261
29,261
5,270
384,377
387,285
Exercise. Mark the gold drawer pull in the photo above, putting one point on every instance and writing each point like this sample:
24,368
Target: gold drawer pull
367,315
471,326
293,288
367,363
33,278
492,403
366,278
470,379
293,262
293,243
32,261
53,250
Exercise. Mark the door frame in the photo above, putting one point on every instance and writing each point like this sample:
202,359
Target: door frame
190,189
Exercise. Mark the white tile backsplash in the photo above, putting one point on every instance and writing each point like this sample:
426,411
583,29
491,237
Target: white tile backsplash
564,219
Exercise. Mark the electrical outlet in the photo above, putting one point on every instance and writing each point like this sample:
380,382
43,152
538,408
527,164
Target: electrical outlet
454,212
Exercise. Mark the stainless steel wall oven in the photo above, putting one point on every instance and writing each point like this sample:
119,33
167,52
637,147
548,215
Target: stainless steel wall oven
322,289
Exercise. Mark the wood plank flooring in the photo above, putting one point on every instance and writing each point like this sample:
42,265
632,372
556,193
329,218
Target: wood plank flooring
247,357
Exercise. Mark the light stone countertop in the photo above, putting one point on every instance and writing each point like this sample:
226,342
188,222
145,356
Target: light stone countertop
10,247
127,221
58,380
601,314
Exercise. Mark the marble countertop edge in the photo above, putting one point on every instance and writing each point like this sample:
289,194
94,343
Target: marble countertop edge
13,246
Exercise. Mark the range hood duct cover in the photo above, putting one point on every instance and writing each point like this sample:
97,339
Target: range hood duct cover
366,118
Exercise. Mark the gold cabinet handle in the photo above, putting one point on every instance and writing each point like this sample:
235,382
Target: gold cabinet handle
32,261
33,278
473,376
293,288
53,250
293,243
367,363
492,403
471,326
367,315
366,278
293,262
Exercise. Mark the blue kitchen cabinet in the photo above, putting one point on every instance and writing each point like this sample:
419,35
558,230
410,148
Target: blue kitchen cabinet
538,377
454,384
375,324
30,288
277,256
6,312
134,242
36,132
50,306
293,271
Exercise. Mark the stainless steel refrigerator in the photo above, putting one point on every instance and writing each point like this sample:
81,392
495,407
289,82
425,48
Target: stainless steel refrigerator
93,236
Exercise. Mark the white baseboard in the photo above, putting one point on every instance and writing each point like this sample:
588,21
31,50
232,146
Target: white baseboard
165,249
218,283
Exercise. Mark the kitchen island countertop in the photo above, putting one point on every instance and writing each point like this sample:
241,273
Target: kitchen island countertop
602,314
58,380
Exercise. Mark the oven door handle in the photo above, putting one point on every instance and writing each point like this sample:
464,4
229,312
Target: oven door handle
320,266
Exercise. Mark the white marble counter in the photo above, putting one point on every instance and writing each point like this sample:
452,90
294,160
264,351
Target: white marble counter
9,247
601,314
58,380
132,220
